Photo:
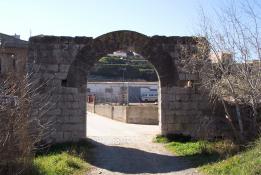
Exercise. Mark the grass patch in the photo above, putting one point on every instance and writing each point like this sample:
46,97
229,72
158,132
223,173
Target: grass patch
198,152
63,159
185,149
216,158
161,139
244,163
60,164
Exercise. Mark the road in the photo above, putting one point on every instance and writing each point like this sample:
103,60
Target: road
128,149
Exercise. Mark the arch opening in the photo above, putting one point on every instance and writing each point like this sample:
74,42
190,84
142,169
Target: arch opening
124,86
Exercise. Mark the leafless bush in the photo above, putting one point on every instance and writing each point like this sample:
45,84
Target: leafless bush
232,71
22,126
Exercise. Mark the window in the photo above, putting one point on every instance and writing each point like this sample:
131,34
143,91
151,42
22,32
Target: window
108,90
123,88
64,83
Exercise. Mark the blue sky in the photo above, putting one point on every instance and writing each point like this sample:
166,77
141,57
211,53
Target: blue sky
96,17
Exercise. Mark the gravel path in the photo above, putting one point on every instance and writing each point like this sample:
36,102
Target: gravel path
128,149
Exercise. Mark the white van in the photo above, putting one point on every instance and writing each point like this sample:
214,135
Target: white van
149,97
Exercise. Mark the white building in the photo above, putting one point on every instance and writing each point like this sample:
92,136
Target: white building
124,54
220,57
120,91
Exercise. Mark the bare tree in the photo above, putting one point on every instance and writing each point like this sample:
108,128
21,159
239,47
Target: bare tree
22,120
232,71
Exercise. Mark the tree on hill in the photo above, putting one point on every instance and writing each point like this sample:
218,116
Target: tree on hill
129,68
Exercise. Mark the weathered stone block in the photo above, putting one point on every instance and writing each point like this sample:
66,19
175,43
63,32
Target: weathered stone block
69,90
67,135
170,119
182,76
47,76
191,76
64,68
186,106
78,119
55,112
52,67
176,105
61,75
57,136
75,105
182,113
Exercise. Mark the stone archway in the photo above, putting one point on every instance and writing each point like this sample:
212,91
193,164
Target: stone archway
122,40
66,62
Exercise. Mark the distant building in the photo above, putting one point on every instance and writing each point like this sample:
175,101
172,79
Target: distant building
13,54
124,54
119,92
221,57
254,61
254,65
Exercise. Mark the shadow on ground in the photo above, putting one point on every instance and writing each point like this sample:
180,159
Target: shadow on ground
135,161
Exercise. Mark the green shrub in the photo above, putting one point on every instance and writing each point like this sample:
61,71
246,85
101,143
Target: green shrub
216,158
60,164
62,159
198,152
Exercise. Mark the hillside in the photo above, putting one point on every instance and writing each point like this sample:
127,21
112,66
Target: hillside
123,69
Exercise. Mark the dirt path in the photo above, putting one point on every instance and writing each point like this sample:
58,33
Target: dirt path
128,149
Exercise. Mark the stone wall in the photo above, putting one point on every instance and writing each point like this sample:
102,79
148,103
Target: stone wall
145,114
68,114
185,110
119,113
90,107
63,63
104,110
49,62
13,60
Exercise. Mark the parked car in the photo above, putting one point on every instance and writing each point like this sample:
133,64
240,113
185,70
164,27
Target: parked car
149,97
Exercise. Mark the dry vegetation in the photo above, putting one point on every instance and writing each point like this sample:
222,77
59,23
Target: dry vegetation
232,75
232,78
22,127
